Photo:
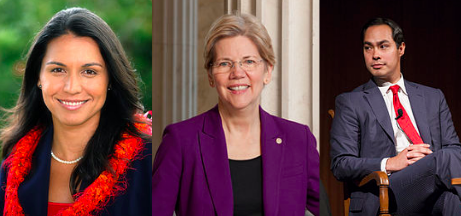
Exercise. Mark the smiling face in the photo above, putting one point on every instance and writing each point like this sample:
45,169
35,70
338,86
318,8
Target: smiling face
382,56
239,89
74,80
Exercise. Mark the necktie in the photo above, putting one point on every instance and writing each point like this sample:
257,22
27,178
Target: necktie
403,118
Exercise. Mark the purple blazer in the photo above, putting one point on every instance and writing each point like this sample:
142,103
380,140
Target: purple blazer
191,173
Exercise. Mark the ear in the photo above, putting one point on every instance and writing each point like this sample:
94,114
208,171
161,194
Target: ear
39,83
268,74
402,49
210,79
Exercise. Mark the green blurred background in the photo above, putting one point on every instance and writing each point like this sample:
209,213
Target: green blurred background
20,20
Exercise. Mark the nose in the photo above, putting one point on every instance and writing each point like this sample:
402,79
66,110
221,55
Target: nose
376,55
236,71
73,84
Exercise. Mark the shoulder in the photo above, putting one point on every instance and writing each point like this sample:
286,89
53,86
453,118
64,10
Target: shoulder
359,91
288,124
190,125
284,125
423,88
356,97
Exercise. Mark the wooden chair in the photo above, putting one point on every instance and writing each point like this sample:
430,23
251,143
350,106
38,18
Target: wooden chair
456,181
382,182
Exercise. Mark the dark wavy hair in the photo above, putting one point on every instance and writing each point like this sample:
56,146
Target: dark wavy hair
117,114
397,32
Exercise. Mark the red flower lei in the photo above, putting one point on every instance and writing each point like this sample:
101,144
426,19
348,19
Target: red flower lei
95,197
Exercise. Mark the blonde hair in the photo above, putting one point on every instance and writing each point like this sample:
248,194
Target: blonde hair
231,25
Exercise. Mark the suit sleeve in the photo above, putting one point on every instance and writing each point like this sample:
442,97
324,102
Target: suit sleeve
448,132
345,140
166,174
313,177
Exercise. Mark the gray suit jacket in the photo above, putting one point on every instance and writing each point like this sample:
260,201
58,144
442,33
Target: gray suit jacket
362,134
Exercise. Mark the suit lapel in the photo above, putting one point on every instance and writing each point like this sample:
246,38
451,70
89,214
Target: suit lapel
213,150
272,160
377,104
33,192
418,108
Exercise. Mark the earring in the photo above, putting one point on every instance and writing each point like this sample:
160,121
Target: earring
109,88
211,83
40,86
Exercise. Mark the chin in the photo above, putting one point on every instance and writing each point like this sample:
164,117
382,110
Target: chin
72,122
242,105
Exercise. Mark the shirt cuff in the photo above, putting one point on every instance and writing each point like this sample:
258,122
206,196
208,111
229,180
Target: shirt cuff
383,165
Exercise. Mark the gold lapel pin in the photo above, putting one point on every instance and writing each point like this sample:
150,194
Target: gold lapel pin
278,140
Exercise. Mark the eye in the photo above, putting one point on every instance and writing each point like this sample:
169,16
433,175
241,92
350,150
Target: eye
367,48
57,70
224,64
249,61
89,72
384,46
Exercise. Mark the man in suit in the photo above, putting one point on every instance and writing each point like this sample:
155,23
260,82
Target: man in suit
399,127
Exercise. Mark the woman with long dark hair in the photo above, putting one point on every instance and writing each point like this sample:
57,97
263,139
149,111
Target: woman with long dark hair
76,142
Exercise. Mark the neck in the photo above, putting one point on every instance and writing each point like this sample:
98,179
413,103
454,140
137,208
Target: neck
393,79
239,121
69,142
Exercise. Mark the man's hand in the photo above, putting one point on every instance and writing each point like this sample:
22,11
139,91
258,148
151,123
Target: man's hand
407,157
416,152
398,162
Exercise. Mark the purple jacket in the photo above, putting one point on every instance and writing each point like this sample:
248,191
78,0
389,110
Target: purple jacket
191,173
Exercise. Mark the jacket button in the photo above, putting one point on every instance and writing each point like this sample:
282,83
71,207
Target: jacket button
278,140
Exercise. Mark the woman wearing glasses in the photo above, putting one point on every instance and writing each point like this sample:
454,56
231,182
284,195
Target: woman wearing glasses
236,159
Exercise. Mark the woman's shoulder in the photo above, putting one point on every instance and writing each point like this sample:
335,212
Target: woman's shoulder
192,124
281,123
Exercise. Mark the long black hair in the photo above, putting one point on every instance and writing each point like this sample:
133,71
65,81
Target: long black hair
117,114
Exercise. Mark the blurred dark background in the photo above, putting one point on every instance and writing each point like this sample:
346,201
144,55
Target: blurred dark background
432,30
20,20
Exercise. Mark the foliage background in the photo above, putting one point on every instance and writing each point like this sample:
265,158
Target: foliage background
20,20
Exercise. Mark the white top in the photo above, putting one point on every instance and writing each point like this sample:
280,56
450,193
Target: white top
400,139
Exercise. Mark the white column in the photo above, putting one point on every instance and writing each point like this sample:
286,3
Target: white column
174,51
294,28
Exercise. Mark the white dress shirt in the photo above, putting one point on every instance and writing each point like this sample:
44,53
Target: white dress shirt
400,138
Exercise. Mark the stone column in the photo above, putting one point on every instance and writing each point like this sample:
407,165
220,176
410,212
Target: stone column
294,28
174,63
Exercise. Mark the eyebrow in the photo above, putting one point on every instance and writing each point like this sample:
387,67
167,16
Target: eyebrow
379,42
56,63
244,57
92,64
85,65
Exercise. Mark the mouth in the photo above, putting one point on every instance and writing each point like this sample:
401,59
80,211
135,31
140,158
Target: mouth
236,89
72,104
377,65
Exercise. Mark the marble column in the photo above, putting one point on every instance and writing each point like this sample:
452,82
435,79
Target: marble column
294,28
174,49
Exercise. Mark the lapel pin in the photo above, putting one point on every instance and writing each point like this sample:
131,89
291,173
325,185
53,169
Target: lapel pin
278,140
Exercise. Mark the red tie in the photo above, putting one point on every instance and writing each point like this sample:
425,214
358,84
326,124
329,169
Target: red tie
403,119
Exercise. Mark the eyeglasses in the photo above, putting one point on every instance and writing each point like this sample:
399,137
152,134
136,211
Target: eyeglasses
225,66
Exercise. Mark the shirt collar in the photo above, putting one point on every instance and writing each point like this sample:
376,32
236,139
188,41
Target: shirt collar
384,86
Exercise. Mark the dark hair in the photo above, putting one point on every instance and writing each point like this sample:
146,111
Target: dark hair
117,114
397,32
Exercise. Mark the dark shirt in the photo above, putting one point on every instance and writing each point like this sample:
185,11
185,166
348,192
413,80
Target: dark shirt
246,178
